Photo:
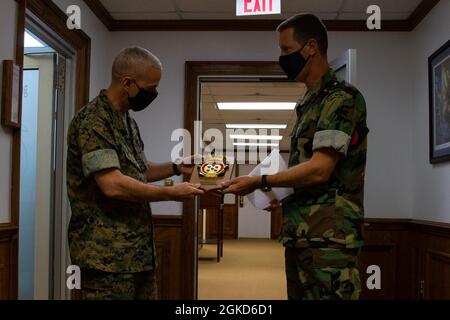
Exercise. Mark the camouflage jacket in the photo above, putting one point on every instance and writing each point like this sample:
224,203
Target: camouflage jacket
106,234
332,115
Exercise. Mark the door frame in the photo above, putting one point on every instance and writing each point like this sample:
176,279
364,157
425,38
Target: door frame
346,60
53,18
194,71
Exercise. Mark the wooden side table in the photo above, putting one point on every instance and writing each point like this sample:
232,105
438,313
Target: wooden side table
215,200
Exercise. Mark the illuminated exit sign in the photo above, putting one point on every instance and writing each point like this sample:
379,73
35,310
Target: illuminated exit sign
257,7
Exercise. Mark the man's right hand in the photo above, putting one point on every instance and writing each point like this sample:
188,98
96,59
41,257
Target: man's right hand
184,191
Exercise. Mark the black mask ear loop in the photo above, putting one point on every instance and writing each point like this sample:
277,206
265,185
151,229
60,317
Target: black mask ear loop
139,88
128,93
300,51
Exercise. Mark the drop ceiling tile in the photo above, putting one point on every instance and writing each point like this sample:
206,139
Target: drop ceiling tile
207,16
207,98
310,5
206,6
228,16
120,6
385,5
322,15
384,16
246,91
253,98
262,116
253,84
145,16
395,15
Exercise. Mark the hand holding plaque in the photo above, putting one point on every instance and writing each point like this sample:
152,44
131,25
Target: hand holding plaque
212,171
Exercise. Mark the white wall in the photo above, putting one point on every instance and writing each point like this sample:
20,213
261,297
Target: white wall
431,182
8,21
100,41
383,77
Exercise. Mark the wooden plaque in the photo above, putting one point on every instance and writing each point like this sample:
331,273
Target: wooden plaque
209,183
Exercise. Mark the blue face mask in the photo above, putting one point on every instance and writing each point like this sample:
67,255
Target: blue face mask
142,99
293,63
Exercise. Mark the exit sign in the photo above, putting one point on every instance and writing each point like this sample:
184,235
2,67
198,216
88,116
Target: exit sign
257,7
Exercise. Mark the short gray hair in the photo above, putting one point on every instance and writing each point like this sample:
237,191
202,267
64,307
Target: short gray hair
129,61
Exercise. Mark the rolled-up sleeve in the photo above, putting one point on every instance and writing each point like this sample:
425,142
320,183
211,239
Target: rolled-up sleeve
335,139
337,123
99,160
98,147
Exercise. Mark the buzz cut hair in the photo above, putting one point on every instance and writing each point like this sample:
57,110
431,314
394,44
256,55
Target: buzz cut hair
130,60
307,26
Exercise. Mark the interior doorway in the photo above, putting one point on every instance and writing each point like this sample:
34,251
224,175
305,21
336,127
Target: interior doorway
47,105
252,257
48,23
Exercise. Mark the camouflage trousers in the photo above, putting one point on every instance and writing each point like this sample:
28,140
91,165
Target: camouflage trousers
322,274
100,285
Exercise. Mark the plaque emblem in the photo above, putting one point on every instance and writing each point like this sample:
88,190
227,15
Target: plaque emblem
213,167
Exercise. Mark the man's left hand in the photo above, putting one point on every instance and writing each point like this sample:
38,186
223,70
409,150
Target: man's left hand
242,185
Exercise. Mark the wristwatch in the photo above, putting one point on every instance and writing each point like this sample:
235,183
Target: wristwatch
175,169
264,184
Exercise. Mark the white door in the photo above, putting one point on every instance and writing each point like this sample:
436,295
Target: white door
345,66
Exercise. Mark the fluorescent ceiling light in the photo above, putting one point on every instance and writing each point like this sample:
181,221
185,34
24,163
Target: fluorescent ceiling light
254,137
255,144
256,126
31,42
256,105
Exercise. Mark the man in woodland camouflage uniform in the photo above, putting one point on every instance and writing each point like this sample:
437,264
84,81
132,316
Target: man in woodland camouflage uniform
111,230
322,220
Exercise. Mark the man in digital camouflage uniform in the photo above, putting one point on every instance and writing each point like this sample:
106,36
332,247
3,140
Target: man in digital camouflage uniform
111,231
322,220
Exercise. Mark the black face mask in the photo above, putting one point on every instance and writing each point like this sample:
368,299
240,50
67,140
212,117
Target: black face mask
142,99
293,63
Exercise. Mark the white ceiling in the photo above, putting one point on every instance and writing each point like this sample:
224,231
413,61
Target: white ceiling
226,9
213,92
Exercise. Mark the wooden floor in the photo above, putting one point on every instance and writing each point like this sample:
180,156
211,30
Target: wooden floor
249,269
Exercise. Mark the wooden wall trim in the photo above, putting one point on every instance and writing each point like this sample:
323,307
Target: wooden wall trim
168,230
194,70
100,11
420,12
168,220
9,262
386,223
250,25
8,230
408,253
433,228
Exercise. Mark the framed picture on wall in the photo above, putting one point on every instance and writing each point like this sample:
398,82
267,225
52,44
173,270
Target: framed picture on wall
439,95
11,113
